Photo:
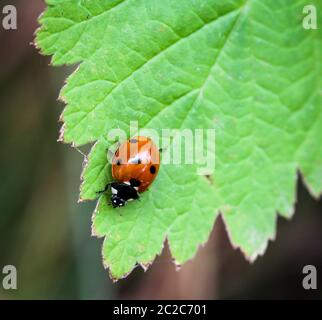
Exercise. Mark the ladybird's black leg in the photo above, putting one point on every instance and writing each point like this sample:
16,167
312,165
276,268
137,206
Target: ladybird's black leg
105,189
135,195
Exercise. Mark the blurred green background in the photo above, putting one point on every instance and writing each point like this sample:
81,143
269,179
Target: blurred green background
45,233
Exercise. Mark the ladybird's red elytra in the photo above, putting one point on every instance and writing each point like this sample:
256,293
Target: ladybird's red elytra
135,165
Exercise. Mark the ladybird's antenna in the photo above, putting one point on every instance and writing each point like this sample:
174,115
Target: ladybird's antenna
163,148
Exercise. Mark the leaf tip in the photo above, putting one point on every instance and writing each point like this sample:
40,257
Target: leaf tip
250,256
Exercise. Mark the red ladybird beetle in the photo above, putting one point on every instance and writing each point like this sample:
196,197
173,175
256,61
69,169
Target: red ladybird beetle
135,165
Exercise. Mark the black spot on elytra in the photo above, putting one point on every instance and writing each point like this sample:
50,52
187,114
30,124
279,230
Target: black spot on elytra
152,169
118,162
133,140
135,182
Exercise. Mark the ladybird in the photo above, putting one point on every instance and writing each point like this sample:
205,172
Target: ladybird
135,165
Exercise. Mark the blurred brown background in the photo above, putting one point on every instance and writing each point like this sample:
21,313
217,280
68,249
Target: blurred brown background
46,234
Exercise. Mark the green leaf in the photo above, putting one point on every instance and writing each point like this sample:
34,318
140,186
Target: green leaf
248,69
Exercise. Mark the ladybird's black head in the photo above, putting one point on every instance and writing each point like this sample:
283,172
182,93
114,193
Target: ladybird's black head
122,192
117,201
